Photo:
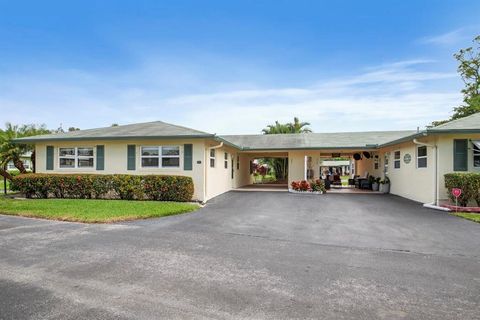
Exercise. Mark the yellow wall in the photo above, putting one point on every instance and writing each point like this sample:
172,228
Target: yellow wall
116,159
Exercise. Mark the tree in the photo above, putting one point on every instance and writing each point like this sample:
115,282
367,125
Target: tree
469,70
299,127
10,151
292,127
114,125
280,166
73,129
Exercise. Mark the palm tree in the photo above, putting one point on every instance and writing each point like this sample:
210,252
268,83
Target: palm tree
299,127
292,127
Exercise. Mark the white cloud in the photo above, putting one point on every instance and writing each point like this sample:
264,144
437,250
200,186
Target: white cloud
393,96
453,37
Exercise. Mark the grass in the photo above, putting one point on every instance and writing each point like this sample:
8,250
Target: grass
467,215
92,211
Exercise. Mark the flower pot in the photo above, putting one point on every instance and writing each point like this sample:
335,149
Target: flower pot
375,186
385,188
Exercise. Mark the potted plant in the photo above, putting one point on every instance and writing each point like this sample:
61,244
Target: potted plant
376,184
371,181
385,185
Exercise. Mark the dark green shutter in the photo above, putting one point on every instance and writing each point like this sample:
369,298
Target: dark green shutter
100,157
131,157
49,157
460,155
187,157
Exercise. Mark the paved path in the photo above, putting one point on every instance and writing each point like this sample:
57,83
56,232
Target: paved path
248,256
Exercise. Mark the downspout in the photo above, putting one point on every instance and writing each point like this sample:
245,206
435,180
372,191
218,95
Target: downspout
205,168
435,178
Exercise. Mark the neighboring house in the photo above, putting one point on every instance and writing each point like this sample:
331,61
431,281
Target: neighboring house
415,161
27,162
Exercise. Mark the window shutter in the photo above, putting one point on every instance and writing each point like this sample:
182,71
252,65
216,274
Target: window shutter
49,157
188,157
100,157
460,155
131,157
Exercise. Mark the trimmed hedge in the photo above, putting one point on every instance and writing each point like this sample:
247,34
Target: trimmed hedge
468,182
96,186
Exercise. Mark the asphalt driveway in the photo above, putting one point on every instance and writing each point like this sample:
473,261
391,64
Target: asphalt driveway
248,256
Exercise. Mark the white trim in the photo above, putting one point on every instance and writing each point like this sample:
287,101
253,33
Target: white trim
76,157
160,157
214,157
421,157
399,159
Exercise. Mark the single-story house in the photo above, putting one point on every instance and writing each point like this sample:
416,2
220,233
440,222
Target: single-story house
415,161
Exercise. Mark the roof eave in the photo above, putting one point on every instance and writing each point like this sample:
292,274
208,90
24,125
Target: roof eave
404,139
433,131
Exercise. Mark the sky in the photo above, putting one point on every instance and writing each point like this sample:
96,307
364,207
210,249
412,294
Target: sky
233,67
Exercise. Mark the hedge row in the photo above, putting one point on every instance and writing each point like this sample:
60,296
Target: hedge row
468,182
93,186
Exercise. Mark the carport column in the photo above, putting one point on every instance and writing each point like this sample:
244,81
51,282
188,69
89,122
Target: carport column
305,161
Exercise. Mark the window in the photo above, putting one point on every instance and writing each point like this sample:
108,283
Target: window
212,158
385,166
238,162
421,157
396,160
170,157
76,157
476,154
226,160
160,157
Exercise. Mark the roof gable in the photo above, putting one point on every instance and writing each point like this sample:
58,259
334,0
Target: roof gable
471,122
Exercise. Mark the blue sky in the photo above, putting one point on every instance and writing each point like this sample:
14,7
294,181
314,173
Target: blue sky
233,66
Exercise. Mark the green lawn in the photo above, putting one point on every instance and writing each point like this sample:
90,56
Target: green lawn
83,210
469,216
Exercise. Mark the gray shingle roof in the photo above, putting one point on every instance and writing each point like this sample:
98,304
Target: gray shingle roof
157,129
464,124
316,140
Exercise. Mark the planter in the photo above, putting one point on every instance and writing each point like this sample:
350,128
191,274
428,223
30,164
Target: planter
305,192
375,186
462,209
385,188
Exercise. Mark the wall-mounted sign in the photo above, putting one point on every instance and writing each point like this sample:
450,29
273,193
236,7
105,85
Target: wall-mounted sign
407,158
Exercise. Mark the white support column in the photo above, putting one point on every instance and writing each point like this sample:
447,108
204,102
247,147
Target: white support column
305,167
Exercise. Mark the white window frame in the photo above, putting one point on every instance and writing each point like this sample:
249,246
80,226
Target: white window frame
210,157
475,153
395,159
225,160
76,157
422,157
160,157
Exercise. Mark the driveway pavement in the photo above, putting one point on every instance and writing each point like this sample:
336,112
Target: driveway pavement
248,256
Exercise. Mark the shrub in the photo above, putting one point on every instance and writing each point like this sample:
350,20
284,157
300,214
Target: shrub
85,186
468,182
318,186
304,185
295,185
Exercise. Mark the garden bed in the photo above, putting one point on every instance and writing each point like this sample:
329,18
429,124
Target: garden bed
305,192
461,209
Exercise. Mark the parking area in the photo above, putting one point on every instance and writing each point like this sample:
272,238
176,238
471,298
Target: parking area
248,255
